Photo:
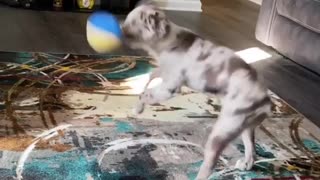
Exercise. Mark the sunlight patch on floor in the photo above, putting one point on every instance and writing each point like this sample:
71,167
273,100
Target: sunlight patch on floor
254,54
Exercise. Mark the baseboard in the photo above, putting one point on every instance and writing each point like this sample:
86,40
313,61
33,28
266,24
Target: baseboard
180,5
257,1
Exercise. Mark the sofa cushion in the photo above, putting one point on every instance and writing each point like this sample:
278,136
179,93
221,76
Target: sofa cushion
304,12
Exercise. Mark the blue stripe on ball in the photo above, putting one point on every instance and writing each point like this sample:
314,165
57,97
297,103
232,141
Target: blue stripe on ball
106,21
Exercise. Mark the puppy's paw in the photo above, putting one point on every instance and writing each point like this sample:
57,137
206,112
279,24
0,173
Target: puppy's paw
138,109
148,97
244,165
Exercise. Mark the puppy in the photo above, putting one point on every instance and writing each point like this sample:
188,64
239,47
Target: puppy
186,59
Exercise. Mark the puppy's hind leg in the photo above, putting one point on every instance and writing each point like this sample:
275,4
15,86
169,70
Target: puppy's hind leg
249,143
226,129
249,146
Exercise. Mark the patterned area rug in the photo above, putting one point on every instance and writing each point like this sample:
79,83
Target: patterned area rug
88,100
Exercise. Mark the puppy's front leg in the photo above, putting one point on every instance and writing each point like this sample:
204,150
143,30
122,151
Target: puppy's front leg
156,73
157,95
166,90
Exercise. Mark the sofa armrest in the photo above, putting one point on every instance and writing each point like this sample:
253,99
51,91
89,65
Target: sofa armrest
265,19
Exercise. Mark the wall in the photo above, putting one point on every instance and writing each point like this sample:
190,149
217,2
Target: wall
180,5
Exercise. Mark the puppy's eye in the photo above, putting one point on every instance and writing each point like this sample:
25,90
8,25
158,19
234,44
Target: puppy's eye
141,16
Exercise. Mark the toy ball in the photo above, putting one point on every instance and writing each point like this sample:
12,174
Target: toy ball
103,32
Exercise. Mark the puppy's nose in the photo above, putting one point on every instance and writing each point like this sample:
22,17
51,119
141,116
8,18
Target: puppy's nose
126,33
124,28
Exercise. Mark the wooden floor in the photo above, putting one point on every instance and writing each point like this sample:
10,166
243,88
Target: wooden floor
232,22
226,22
299,87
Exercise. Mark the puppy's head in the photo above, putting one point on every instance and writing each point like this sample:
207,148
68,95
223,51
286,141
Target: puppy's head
144,25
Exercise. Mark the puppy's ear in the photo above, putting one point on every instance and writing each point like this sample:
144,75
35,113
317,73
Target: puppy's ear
146,2
159,24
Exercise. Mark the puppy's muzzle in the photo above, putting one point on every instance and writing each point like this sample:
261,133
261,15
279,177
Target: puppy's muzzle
126,33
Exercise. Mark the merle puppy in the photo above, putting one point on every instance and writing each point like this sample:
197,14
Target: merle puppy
185,59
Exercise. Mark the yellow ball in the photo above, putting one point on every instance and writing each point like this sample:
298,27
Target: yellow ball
103,32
